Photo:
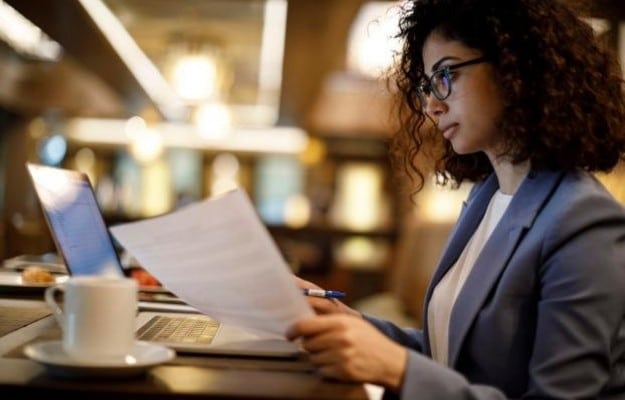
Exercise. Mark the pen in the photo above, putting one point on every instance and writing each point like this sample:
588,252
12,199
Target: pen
328,294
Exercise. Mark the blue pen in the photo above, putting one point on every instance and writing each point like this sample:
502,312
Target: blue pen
328,294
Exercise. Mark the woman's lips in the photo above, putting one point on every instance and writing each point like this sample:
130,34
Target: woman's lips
448,131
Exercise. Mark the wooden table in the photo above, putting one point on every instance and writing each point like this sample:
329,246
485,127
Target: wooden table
185,377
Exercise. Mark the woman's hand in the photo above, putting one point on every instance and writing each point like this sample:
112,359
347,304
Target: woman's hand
350,349
322,305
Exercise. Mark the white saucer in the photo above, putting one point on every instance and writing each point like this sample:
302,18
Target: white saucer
58,363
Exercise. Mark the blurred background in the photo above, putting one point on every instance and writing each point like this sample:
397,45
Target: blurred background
167,102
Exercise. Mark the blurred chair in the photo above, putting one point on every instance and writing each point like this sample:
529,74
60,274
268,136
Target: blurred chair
419,247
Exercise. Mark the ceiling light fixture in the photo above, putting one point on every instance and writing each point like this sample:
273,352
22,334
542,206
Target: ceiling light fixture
271,54
267,140
144,71
25,37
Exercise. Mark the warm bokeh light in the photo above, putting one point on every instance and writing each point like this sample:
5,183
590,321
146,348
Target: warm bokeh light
213,120
85,162
361,253
372,41
156,189
225,174
146,144
195,77
359,204
297,211
440,204
314,152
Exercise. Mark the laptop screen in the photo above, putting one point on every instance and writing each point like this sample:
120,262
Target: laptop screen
75,221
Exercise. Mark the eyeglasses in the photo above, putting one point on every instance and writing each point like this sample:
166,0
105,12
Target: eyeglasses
439,84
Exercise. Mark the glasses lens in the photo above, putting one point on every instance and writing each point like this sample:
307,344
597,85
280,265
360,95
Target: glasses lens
441,84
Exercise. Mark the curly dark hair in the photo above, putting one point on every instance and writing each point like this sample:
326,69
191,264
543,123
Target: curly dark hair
563,90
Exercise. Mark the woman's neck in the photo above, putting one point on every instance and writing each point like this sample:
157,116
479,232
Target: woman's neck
510,175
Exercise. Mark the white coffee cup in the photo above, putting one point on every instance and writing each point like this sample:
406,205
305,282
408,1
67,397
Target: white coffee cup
97,317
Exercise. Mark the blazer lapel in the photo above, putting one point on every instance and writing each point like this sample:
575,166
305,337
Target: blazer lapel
468,221
535,190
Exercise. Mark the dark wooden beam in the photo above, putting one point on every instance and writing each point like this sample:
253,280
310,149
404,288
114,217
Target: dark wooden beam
69,24
315,46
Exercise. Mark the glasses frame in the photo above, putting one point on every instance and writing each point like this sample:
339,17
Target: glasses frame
427,89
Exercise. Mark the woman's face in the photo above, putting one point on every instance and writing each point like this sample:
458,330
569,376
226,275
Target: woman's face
468,118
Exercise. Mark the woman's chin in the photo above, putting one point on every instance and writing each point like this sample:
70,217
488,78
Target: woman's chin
463,148
459,148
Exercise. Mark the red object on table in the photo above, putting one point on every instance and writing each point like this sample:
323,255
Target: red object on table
143,277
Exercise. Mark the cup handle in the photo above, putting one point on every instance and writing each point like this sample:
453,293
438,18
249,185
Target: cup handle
50,299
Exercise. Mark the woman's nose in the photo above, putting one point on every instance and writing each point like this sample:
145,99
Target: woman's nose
434,107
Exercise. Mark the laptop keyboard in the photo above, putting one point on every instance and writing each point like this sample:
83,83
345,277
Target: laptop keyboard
183,329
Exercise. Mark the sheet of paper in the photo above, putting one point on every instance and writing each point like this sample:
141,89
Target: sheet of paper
217,256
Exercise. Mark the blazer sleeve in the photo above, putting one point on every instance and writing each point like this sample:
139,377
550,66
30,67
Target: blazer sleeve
581,303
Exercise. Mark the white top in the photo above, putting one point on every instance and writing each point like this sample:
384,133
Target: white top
446,292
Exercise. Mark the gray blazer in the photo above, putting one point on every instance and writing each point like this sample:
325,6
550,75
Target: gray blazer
542,313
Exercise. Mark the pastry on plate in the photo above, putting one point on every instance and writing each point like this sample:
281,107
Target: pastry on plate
33,274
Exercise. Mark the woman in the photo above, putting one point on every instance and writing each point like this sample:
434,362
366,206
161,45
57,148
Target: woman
528,300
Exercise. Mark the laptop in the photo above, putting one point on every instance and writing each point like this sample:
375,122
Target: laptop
83,241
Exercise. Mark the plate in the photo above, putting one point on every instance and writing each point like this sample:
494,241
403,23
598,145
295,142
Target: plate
11,282
154,289
58,363
49,261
